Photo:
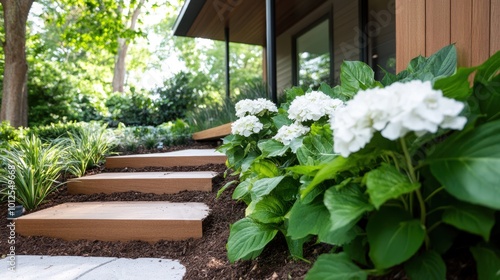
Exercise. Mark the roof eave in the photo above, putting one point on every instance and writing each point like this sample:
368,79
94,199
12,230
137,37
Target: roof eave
187,16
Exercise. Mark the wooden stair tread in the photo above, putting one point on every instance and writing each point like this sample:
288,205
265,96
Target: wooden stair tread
190,157
117,221
213,133
146,182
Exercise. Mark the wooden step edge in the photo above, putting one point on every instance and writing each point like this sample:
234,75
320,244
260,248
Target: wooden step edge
92,222
213,133
157,185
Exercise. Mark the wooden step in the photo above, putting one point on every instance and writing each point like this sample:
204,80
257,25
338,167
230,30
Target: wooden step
193,157
213,133
145,182
149,221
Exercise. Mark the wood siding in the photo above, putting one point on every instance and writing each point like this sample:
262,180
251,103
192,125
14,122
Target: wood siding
425,26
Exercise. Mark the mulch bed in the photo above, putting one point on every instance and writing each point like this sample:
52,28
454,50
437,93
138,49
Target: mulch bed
203,258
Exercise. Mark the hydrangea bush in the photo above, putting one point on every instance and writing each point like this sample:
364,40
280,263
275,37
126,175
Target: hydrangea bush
396,172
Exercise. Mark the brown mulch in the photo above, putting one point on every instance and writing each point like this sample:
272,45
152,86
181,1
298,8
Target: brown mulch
204,258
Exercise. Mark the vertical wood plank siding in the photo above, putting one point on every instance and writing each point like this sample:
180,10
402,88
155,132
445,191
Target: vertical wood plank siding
494,26
425,26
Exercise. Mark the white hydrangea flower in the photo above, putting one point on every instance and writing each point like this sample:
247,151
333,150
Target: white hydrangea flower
287,133
421,109
254,107
395,111
312,106
246,126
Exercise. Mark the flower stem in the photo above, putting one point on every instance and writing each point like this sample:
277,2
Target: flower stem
413,179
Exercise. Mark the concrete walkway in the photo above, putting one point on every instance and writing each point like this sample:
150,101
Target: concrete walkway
90,268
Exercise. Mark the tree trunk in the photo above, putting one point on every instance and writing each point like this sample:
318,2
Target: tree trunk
120,67
15,90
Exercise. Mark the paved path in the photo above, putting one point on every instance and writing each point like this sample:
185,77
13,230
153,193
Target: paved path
90,268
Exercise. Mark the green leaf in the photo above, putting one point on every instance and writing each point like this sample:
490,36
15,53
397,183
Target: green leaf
247,239
346,205
272,148
242,189
488,263
265,168
442,238
335,267
281,120
307,219
296,246
357,249
488,98
264,186
394,237
471,218
488,70
219,193
443,62
427,266
356,75
456,86
468,165
270,210
385,183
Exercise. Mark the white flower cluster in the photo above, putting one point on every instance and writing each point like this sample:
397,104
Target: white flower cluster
287,133
246,126
312,106
254,107
395,111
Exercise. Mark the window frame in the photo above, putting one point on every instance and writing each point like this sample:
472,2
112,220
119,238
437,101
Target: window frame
295,70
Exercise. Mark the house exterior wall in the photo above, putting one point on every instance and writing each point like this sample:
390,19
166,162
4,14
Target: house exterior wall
425,26
345,38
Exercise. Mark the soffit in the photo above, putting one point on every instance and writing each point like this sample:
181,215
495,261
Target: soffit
246,19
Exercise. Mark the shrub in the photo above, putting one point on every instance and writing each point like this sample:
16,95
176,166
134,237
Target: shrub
36,166
133,137
218,113
9,135
49,133
391,178
87,147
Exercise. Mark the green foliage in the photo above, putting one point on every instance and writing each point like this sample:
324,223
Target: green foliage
89,147
131,138
49,133
9,135
36,166
212,114
392,202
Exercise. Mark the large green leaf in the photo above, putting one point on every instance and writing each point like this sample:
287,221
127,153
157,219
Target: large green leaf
357,250
247,239
488,98
272,148
468,165
335,267
456,86
394,237
489,69
427,266
488,263
306,219
385,183
270,210
264,186
471,218
346,205
265,168
356,75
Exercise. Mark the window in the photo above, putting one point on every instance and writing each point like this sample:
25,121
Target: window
312,63
380,33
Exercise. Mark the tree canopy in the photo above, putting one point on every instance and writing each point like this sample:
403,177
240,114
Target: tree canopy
73,46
